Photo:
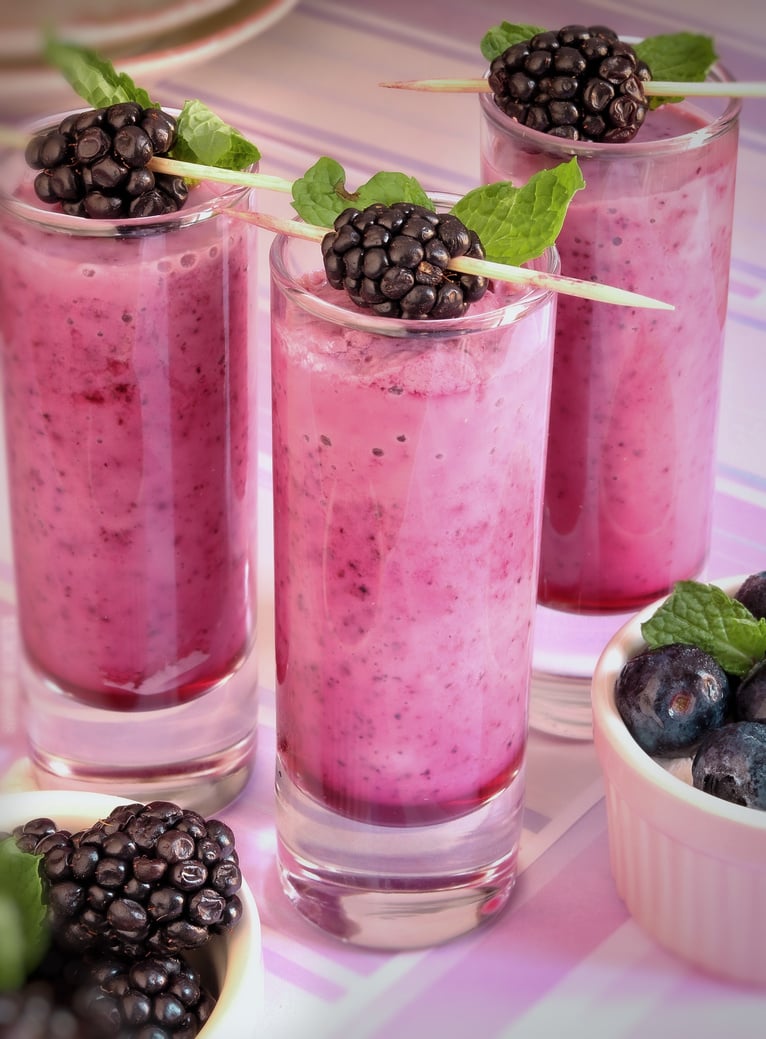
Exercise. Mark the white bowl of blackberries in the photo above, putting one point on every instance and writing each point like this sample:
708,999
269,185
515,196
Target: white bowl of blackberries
679,722
122,920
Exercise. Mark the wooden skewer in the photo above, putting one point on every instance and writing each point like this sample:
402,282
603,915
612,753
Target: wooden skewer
10,137
654,87
466,265
196,171
502,272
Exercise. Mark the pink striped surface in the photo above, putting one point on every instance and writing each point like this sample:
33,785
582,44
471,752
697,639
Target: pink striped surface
566,957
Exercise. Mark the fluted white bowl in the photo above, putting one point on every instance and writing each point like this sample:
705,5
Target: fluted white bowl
690,867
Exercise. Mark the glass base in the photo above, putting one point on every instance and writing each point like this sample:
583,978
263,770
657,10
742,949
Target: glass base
198,754
397,887
567,647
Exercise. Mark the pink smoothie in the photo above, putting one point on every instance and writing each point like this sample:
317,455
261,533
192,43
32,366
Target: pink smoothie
407,474
126,403
630,462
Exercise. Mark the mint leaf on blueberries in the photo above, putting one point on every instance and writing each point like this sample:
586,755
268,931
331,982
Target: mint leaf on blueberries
500,37
518,224
23,928
320,195
204,137
680,57
704,615
93,78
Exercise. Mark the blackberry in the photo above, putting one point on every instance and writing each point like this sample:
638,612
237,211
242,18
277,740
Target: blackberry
34,1012
159,997
581,83
147,879
94,163
96,997
394,260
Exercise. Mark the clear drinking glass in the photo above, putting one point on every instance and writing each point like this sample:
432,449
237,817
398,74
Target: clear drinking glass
631,454
130,426
408,464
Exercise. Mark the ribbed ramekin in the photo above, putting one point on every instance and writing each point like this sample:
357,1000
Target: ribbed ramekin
690,867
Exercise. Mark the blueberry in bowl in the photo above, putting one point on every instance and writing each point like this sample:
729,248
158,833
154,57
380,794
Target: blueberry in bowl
689,861
669,696
730,763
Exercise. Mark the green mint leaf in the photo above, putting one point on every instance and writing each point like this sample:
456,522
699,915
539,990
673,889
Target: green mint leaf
704,615
320,195
500,37
23,927
680,57
13,967
518,224
93,78
204,137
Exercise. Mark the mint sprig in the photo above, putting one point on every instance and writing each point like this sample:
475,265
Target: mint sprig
681,57
202,136
514,224
704,615
94,79
518,224
24,932
321,193
500,37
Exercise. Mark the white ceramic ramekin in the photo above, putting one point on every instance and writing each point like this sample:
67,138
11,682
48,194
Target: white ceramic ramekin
690,867
234,962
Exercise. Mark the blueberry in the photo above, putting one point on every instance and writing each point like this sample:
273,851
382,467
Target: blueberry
752,594
730,763
669,696
750,695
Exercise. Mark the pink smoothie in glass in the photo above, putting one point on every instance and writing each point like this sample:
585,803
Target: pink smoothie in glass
129,436
407,474
629,478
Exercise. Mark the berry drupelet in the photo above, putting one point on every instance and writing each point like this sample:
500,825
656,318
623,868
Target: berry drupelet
95,163
580,83
393,259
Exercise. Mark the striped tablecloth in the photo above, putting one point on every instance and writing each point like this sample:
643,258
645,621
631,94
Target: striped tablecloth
566,957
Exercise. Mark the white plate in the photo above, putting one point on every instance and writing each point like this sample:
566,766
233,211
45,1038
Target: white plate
32,88
95,23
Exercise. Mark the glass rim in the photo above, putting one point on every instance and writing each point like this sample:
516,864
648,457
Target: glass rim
634,149
120,227
507,313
